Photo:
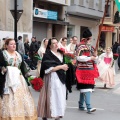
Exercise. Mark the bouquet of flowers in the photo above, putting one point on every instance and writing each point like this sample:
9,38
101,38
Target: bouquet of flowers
36,83
115,56
68,57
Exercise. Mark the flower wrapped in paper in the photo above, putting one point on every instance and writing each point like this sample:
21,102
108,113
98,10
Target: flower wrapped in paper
68,57
36,83
36,56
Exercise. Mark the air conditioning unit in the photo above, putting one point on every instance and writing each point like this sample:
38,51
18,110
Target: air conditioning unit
91,4
81,2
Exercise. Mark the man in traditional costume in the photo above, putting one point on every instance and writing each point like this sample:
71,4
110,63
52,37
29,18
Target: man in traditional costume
86,70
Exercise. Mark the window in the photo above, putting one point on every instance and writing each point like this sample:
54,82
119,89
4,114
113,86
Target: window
102,43
81,2
41,6
100,5
108,11
91,4
66,1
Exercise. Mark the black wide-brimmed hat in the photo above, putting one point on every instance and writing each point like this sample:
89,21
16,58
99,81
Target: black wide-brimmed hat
87,33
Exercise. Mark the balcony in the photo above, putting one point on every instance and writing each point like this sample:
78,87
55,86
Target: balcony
60,2
87,8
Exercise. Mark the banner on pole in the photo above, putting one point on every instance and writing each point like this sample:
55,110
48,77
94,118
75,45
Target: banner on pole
118,4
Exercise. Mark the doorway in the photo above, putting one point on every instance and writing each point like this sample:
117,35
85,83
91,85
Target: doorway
102,43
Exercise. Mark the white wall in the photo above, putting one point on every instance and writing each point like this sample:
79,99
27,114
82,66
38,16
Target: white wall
4,34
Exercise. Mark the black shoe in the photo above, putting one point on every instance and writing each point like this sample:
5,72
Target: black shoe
104,85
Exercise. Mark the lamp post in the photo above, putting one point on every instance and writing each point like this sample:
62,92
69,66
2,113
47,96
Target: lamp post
16,10
15,20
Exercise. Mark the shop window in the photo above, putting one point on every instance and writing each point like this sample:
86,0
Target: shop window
70,31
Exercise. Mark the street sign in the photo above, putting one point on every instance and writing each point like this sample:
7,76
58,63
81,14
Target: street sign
118,4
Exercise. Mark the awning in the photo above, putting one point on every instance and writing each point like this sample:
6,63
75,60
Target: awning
35,19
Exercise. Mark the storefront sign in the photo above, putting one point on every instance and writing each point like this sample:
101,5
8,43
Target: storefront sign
45,14
107,28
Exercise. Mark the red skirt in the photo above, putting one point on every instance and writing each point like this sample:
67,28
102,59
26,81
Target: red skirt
87,76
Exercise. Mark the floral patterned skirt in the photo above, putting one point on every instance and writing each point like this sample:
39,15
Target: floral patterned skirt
18,105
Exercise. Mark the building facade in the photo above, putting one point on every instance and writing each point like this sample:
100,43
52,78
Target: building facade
7,21
82,14
49,18
111,28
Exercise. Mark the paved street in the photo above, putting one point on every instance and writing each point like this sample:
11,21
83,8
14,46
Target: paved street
107,102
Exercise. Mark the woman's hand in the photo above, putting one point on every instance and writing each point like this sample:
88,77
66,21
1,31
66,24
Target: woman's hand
64,67
4,70
60,67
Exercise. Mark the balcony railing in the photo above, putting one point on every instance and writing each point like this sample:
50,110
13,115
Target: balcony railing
90,4
62,2
81,2
87,8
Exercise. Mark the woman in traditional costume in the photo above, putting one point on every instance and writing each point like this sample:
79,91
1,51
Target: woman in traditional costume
106,68
42,48
86,70
16,102
41,52
52,100
63,44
